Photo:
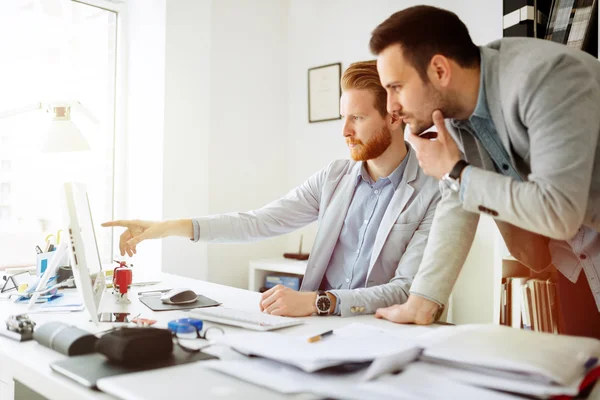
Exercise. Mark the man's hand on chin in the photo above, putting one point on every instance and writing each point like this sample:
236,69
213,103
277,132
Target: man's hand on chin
417,310
283,301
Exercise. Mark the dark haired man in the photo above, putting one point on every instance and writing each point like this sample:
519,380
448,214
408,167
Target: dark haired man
525,113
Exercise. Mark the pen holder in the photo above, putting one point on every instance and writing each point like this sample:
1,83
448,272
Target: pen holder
43,260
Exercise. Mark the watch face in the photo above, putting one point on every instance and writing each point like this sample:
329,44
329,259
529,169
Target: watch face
323,304
453,184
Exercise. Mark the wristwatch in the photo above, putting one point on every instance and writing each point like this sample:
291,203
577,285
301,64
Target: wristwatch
452,178
323,303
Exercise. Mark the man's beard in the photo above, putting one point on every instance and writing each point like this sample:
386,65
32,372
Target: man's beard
435,101
374,147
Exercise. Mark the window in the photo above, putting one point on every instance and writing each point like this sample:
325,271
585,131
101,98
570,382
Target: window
59,51
5,188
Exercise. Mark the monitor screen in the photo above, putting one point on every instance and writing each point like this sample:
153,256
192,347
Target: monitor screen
88,234
85,258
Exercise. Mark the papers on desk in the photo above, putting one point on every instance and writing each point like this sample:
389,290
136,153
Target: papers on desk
512,353
534,389
67,301
354,343
412,383
461,359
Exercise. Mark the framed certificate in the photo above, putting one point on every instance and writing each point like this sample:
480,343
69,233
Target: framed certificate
324,92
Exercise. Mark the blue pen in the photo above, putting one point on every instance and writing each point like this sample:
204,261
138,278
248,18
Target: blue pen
591,363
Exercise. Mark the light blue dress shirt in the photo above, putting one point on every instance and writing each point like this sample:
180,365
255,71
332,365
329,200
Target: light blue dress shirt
351,256
570,257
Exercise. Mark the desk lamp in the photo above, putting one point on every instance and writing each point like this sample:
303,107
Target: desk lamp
62,135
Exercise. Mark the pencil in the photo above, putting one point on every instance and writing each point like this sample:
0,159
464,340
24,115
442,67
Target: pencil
314,339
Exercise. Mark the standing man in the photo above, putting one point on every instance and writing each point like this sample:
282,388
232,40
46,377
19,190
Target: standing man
525,113
374,214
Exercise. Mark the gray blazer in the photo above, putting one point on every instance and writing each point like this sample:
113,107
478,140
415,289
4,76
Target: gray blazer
544,99
326,197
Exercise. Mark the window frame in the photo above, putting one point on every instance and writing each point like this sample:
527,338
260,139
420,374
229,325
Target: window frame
119,106
120,101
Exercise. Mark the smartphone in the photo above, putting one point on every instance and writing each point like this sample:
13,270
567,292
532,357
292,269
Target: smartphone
428,135
114,317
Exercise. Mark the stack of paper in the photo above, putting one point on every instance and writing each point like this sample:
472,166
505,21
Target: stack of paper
354,343
413,383
513,353
469,361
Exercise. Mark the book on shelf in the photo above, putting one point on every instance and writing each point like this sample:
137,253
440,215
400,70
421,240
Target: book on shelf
529,304
516,299
528,301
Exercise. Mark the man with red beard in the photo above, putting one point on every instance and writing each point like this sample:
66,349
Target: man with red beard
374,212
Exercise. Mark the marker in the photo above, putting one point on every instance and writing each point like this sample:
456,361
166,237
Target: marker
319,337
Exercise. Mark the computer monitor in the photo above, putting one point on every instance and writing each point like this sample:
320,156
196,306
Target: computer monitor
83,247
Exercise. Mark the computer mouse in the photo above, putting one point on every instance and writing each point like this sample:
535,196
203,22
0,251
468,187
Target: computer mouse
179,296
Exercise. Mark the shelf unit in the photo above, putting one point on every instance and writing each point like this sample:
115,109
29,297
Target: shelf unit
259,269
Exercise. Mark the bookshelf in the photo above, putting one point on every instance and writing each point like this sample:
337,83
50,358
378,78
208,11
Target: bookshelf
528,300
259,269
574,24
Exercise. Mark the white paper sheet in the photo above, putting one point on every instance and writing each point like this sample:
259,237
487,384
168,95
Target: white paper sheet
352,343
69,301
498,383
414,383
408,385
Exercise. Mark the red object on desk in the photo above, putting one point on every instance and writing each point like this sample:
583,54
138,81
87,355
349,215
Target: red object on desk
122,278
591,378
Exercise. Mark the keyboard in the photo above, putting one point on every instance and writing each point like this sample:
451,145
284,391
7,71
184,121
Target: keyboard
254,320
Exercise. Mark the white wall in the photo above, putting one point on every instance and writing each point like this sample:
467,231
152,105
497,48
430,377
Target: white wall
207,120
339,31
186,129
140,180
248,136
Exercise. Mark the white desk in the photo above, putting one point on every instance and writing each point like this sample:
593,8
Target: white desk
29,362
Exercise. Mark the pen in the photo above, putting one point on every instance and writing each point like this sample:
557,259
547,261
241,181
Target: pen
38,250
314,339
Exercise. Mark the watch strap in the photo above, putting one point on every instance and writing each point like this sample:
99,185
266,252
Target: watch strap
458,169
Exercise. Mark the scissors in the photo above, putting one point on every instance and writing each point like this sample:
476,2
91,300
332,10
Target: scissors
49,245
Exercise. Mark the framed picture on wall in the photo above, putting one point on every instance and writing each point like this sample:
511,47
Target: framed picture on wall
324,92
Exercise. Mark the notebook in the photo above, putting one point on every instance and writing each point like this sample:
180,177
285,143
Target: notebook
88,369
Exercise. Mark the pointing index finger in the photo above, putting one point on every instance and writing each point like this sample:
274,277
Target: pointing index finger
119,222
